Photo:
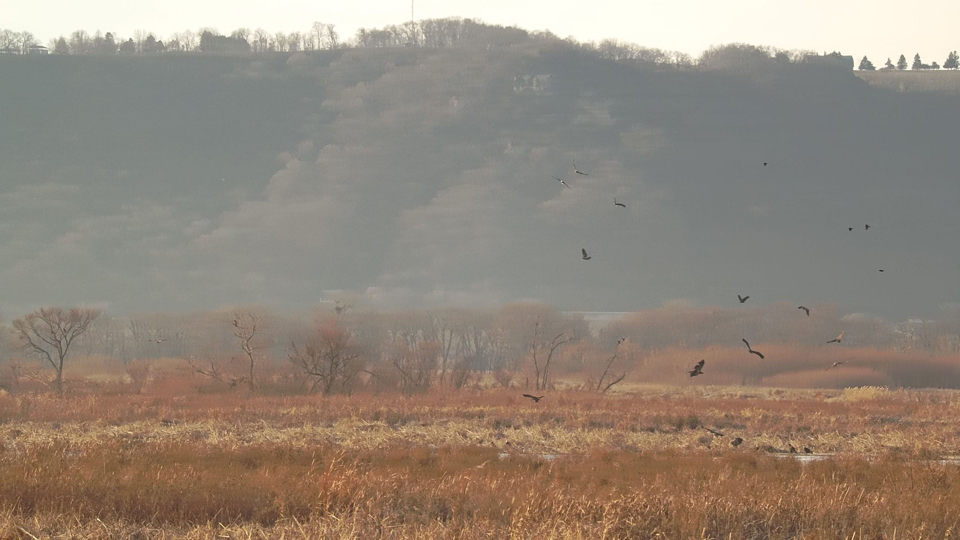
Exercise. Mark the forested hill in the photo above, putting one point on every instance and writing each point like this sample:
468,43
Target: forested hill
425,176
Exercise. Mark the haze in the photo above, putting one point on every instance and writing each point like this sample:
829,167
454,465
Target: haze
411,176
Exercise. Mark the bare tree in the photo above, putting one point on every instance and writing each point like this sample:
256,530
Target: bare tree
330,358
50,332
246,326
261,40
625,352
542,371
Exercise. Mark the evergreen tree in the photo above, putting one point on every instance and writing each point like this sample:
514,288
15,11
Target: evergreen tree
952,61
889,64
917,64
902,63
866,64
61,47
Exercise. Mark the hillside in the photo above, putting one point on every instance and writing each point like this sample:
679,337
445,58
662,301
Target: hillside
423,176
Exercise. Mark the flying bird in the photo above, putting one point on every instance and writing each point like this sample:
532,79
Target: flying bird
749,348
835,364
838,338
764,163
743,298
866,227
578,171
564,184
620,204
697,369
159,340
715,432
881,269
849,228
585,256
536,399
340,308
805,309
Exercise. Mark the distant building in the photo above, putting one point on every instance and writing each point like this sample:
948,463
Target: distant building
832,59
38,49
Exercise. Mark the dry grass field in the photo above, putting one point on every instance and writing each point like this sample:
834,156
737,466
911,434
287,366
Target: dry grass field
482,464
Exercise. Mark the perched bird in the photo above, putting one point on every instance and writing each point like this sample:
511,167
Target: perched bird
736,442
838,338
536,399
805,309
620,204
743,298
564,184
585,256
835,364
578,171
697,369
749,348
866,227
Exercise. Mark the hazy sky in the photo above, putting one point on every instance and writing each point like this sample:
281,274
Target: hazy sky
879,28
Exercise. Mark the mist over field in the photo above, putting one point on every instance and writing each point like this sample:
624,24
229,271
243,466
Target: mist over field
411,177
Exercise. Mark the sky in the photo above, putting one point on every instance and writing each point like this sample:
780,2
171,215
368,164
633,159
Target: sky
878,29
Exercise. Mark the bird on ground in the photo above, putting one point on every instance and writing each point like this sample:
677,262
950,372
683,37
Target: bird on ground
697,369
835,364
159,340
620,204
536,399
866,227
749,348
736,442
621,341
562,183
715,432
578,171
743,298
792,449
807,450
585,256
838,338
805,309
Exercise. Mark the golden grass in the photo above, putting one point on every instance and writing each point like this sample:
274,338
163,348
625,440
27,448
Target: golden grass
471,464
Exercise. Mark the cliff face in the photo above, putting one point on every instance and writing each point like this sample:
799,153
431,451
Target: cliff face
425,176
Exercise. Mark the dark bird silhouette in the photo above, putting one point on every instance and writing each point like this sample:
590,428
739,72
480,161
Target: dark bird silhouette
849,228
807,450
340,308
764,163
838,338
866,227
749,348
536,399
736,442
620,204
562,183
715,432
578,171
621,341
743,298
805,309
881,270
697,369
792,449
585,256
